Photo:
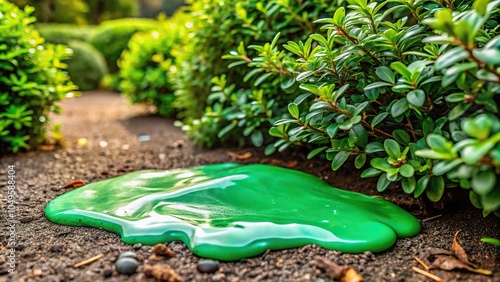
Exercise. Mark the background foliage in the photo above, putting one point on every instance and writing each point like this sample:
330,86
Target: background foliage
220,104
80,11
63,33
104,10
152,8
87,66
145,67
32,80
111,37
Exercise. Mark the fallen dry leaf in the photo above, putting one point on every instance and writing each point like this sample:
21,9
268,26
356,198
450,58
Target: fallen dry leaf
350,275
451,263
162,250
162,272
459,252
74,184
47,147
244,156
456,259
289,164
335,271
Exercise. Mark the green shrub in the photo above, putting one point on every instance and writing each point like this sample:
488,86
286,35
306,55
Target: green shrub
414,99
63,33
151,9
32,80
103,10
57,11
112,37
80,11
217,28
87,66
144,69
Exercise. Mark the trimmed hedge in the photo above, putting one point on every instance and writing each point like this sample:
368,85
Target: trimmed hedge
87,66
80,11
63,33
59,11
103,10
112,37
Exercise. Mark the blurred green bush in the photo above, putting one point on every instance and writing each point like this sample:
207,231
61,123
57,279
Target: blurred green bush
145,67
59,11
80,11
104,10
111,37
63,33
220,104
87,66
32,80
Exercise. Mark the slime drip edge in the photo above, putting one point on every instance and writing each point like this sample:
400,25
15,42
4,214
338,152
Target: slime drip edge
230,211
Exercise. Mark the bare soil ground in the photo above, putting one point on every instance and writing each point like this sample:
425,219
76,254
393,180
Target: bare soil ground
45,251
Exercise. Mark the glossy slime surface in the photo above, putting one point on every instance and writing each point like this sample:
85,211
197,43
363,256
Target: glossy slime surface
231,211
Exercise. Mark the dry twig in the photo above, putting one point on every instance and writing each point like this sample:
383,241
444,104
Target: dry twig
74,184
423,272
432,217
421,263
88,261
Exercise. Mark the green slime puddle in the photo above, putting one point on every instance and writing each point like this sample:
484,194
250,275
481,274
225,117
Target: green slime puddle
231,211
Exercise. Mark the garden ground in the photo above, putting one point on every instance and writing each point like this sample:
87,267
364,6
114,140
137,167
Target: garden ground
104,137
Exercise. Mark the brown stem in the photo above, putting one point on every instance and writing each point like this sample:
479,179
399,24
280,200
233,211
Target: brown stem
480,63
374,28
355,41
311,127
410,125
299,19
365,124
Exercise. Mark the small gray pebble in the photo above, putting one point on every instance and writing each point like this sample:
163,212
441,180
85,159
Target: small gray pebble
126,265
127,255
137,246
207,266
107,272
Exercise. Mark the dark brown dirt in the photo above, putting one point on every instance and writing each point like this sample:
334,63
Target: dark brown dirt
111,126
